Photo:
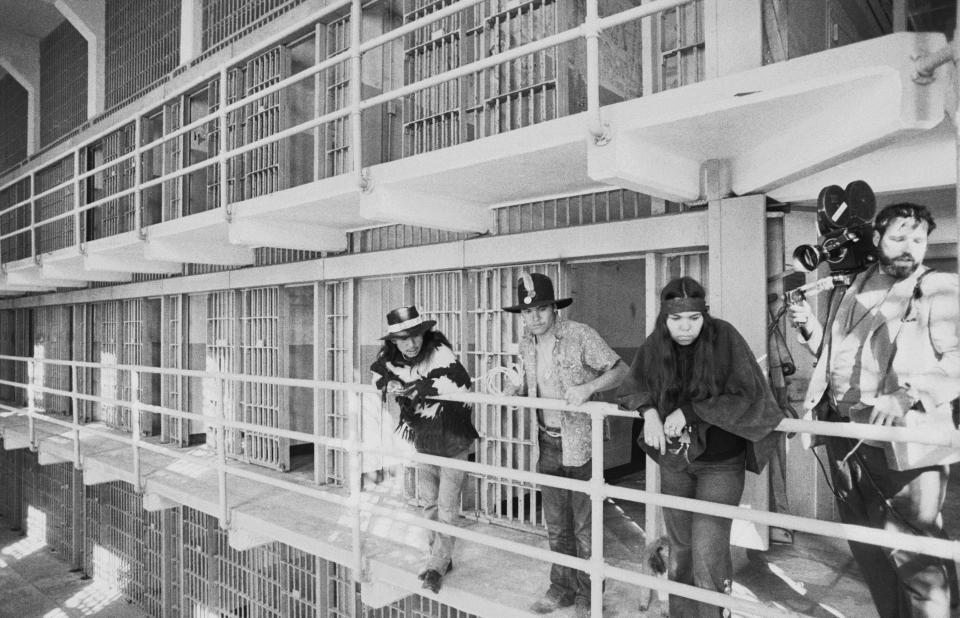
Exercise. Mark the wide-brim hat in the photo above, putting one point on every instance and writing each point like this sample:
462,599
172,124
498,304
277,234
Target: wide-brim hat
536,290
406,322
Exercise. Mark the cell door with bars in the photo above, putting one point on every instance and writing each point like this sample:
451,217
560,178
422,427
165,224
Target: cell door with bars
439,296
173,387
685,264
222,395
52,342
83,350
507,436
261,354
338,360
106,352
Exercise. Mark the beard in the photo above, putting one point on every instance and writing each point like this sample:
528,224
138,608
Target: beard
899,267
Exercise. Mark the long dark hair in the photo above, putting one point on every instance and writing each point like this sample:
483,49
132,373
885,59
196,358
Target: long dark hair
432,339
661,367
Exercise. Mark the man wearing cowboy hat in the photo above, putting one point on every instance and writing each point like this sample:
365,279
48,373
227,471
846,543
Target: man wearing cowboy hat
566,360
416,362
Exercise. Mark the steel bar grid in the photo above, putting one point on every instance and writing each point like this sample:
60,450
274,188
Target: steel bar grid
48,500
14,107
52,337
338,366
124,544
507,438
398,236
63,82
60,233
142,46
336,81
113,216
225,20
105,380
173,387
11,485
263,404
572,210
15,340
222,356
198,569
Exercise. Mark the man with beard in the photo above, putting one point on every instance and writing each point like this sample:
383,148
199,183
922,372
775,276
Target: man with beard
889,356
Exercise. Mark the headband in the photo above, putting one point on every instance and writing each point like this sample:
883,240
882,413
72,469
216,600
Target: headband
685,303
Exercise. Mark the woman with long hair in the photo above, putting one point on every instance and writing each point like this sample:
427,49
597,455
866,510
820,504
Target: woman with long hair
708,415
414,363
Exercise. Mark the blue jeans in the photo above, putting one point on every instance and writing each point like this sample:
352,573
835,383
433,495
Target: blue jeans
701,543
902,583
440,497
567,514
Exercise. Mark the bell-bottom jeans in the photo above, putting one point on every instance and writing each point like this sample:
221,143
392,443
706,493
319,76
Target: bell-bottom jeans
700,544
440,489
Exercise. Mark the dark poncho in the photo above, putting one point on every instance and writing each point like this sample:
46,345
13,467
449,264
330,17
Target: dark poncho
745,406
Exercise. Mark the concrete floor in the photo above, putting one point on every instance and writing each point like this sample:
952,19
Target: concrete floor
34,583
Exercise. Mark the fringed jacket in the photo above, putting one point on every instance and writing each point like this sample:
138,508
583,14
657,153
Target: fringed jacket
435,427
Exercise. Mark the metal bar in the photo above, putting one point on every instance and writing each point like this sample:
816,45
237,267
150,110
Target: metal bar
135,429
596,505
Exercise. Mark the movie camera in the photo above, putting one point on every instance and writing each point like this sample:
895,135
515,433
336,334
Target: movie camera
845,223
844,220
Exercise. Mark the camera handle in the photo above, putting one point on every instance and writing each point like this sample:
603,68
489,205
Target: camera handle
800,294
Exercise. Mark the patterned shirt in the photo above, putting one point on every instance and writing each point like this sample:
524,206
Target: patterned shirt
579,356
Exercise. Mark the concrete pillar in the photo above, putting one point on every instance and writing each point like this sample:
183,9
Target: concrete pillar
89,18
20,57
738,294
191,30
733,36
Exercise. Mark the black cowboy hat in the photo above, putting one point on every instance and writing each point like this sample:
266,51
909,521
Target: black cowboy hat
536,290
406,322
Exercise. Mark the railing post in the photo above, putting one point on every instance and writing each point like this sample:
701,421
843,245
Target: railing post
75,405
591,32
354,418
596,506
356,86
137,176
222,165
135,427
221,433
33,217
31,407
77,234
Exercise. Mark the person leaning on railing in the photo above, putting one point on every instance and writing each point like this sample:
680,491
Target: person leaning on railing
414,363
567,360
889,356
708,416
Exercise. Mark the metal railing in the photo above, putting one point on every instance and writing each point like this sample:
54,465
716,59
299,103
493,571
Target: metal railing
596,488
589,31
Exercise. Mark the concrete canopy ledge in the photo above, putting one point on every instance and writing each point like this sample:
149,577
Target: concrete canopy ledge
69,264
155,502
28,273
775,124
202,238
512,167
425,209
286,234
886,169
